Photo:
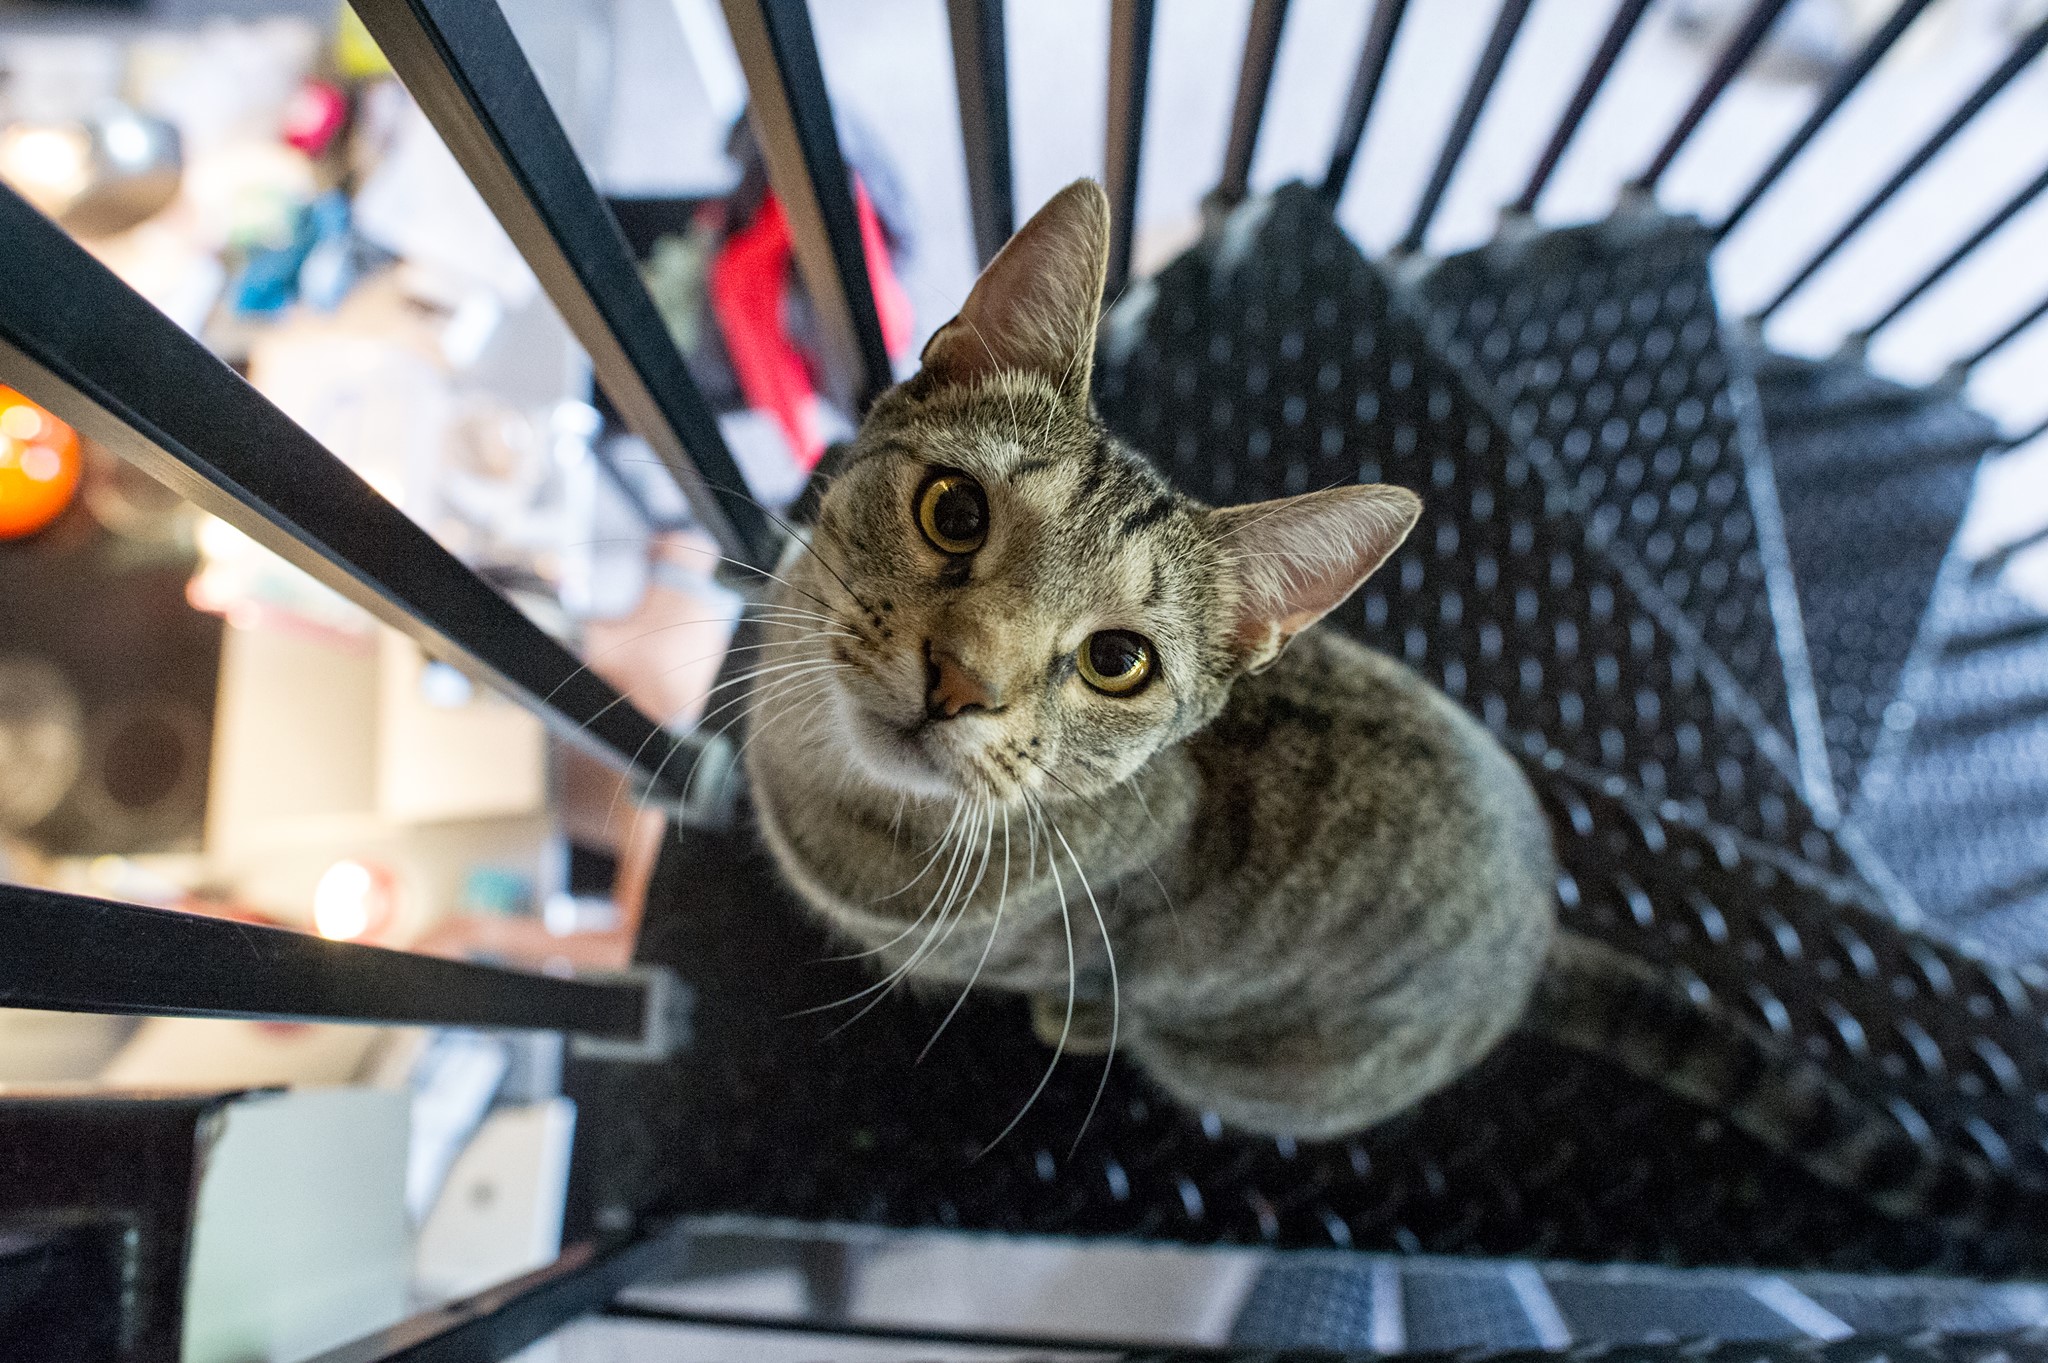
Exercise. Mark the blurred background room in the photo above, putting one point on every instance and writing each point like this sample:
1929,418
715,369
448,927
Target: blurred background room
189,721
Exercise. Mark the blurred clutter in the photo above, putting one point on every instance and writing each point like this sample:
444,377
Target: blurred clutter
271,187
189,721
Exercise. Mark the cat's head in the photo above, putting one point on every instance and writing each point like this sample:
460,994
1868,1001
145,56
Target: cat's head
1028,606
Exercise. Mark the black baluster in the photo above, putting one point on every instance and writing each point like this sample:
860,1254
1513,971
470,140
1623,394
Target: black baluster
1130,68
1254,83
1837,94
1506,24
1626,18
2029,48
1365,89
792,117
1732,59
2010,208
981,73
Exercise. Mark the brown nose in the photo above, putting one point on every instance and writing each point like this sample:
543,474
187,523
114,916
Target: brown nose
952,689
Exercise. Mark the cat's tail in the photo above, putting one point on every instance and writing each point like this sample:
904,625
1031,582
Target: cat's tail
1595,999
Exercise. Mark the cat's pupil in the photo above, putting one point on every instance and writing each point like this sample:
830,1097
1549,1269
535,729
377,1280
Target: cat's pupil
957,515
1114,655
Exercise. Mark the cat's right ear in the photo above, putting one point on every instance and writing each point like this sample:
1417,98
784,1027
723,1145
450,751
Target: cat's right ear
1294,560
1035,307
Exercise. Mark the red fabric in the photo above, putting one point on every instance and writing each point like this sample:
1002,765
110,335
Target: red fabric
747,280
891,303
315,114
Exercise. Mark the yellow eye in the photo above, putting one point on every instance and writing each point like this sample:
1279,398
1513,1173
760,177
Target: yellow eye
953,513
1115,662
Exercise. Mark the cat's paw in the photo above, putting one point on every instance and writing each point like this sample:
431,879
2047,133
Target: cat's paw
1088,1033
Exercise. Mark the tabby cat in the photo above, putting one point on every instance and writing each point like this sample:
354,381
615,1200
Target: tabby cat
1030,718
1033,718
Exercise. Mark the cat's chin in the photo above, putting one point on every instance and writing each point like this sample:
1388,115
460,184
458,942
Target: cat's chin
899,757
913,758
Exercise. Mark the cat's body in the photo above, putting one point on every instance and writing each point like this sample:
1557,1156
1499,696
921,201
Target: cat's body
1326,904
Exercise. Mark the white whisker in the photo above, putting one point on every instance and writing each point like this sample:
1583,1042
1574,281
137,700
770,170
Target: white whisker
1066,1026
1115,996
1002,898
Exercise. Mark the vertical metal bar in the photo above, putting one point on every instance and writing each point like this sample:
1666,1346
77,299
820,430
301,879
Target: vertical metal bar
1365,89
2002,339
2029,47
1130,69
1626,19
1996,561
2005,214
92,350
1745,42
1836,95
2027,437
1254,83
463,65
792,117
981,74
1506,25
74,954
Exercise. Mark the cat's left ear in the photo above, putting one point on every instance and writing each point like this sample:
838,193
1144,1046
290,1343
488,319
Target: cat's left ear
1296,559
1035,307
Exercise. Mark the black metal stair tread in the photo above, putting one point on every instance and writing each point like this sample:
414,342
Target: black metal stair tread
1603,344
1801,389
1874,477
2013,1346
1541,1151
1962,804
1289,1299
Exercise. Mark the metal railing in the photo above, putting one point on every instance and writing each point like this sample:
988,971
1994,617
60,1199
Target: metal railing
83,344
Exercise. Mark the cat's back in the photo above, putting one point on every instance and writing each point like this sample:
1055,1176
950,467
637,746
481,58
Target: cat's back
1368,899
1335,726
1341,781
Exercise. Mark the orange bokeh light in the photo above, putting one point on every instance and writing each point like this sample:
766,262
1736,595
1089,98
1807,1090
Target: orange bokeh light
39,466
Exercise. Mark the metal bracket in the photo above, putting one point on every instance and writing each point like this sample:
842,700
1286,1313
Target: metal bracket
664,1033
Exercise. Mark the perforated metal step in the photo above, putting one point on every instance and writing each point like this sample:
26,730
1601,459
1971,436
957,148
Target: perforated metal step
1602,346
1873,477
1047,1293
1961,804
1273,359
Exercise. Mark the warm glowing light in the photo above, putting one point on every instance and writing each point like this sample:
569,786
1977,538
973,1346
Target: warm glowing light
49,166
342,901
39,466
22,421
218,539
